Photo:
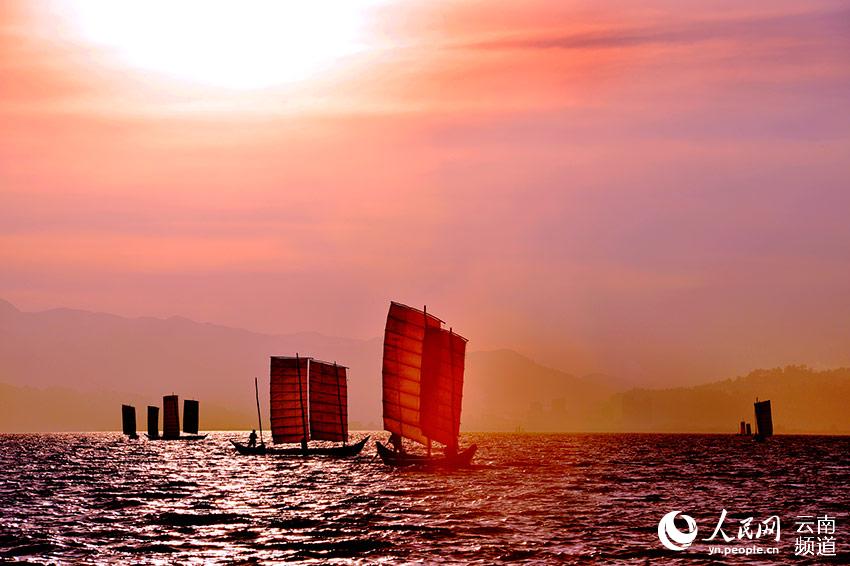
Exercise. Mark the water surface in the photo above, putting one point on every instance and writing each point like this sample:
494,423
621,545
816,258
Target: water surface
539,498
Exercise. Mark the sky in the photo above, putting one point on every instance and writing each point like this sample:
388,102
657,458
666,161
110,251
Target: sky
653,190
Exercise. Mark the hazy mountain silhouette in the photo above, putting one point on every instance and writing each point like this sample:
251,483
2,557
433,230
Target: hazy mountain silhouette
65,369
82,365
803,400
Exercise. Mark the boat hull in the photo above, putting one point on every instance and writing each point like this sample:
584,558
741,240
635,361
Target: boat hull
346,451
182,437
393,458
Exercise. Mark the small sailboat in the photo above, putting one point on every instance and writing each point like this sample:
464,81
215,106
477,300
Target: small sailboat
308,401
171,420
744,430
422,379
153,422
128,421
764,420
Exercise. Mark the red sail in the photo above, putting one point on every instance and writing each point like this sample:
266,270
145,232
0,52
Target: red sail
403,340
328,402
170,417
442,385
288,399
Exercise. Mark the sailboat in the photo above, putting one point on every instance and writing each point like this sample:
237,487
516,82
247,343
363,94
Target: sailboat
153,422
128,421
171,420
308,400
764,420
423,388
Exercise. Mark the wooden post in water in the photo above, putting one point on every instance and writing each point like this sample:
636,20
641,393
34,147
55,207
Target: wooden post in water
259,415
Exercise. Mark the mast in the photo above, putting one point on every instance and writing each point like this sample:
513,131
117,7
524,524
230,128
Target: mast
303,405
342,428
259,416
425,325
453,446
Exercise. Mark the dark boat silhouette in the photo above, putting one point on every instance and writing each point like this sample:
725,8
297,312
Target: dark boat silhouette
422,379
308,401
128,421
344,451
153,422
764,420
171,420
395,458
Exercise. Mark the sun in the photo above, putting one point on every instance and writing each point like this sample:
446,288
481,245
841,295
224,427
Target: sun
244,44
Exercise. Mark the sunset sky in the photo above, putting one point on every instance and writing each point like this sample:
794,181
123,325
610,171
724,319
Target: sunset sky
655,190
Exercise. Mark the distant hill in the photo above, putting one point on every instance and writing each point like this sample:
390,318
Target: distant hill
803,401
144,358
505,391
66,369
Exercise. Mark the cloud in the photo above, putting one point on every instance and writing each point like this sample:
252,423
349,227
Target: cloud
804,25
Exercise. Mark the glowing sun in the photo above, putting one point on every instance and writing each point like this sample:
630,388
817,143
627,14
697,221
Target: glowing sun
229,43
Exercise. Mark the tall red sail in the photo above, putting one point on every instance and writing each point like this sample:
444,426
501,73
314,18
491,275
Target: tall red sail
328,402
288,399
442,385
170,417
403,342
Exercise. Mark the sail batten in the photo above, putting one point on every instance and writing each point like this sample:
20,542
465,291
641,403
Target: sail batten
288,392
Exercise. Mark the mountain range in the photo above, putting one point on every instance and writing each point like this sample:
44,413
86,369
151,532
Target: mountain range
65,369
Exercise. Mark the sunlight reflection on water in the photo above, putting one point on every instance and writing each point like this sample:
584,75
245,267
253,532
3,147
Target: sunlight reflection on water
551,498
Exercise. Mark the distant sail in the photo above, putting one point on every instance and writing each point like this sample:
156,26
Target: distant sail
288,398
128,419
170,417
190,416
328,402
442,385
764,419
153,422
404,337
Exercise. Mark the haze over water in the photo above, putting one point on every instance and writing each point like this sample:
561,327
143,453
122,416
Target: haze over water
93,498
